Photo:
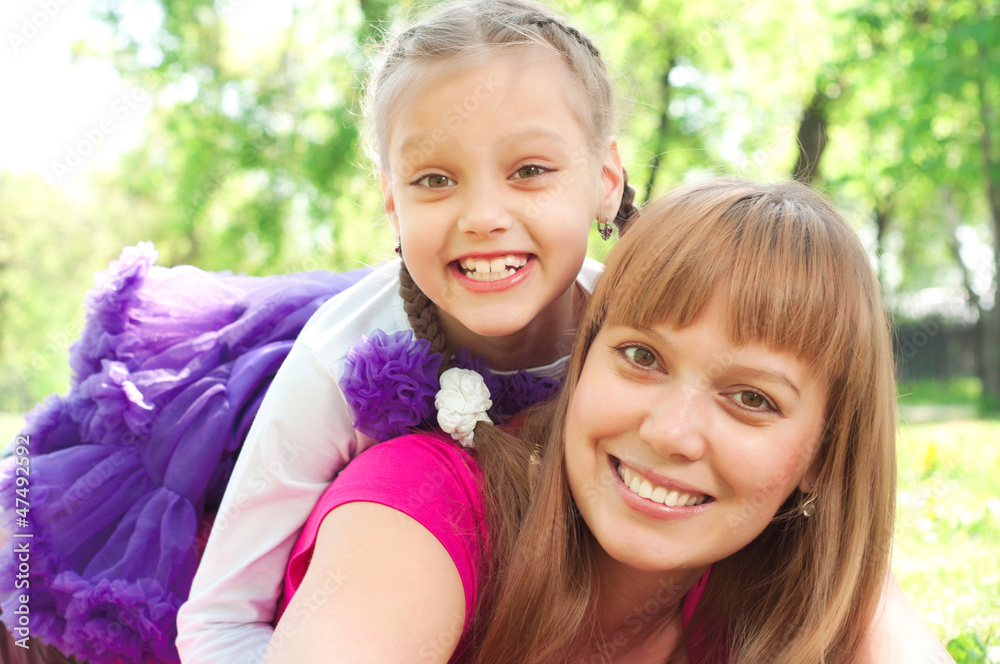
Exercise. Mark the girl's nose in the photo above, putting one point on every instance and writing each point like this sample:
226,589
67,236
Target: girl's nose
485,211
675,425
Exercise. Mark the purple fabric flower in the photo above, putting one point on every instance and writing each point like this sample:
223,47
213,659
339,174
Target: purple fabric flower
390,382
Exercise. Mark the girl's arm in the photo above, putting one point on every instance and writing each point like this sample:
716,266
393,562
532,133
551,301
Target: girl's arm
379,588
301,436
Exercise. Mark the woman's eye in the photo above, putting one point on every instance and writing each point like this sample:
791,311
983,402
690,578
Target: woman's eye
640,355
528,172
752,400
435,181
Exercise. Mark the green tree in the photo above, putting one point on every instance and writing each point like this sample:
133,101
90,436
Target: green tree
919,127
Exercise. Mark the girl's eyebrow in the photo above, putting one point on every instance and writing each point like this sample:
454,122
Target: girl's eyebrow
534,135
420,143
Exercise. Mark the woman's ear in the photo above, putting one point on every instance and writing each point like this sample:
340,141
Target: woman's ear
612,181
389,202
808,482
811,476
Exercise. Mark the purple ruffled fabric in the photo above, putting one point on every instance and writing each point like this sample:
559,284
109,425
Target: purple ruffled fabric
390,381
167,375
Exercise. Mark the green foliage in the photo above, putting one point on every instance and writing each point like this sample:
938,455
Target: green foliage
972,649
50,249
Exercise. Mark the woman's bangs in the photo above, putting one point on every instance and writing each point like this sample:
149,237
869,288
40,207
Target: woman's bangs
778,264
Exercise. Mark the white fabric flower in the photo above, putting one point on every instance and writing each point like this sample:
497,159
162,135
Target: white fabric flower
461,402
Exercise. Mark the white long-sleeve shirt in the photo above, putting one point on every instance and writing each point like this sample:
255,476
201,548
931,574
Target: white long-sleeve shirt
302,436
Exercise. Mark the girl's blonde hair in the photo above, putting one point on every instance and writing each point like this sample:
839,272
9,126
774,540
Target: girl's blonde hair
795,278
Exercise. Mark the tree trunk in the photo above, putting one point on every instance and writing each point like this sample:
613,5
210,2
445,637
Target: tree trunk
883,214
953,220
811,139
661,134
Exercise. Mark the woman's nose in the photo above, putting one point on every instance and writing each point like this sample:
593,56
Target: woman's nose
676,424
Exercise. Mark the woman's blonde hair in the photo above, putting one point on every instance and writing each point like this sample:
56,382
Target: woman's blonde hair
795,278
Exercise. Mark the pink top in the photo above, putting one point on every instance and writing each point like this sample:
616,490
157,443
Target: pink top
433,481
430,479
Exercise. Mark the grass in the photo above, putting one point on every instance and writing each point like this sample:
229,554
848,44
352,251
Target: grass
947,544
960,391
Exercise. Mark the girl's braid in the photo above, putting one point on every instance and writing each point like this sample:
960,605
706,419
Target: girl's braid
422,314
627,209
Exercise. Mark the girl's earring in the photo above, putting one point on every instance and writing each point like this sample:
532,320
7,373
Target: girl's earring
605,228
399,248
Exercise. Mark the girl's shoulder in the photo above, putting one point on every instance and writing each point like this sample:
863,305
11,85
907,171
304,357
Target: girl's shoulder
369,305
589,272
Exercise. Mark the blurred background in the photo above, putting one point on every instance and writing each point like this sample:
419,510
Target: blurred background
229,134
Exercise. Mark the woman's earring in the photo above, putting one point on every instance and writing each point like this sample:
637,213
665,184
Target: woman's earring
605,228
808,507
399,248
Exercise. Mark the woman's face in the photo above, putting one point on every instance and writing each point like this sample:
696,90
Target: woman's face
681,446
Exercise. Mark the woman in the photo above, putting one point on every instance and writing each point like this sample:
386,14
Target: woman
717,478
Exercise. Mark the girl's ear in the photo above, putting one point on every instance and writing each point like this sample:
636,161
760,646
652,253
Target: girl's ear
389,202
612,181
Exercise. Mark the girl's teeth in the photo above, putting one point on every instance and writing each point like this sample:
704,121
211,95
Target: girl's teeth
494,269
646,489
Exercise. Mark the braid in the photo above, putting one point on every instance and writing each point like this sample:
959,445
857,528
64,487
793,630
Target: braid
422,314
541,20
627,210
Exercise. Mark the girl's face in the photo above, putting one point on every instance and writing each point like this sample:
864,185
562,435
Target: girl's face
494,184
681,447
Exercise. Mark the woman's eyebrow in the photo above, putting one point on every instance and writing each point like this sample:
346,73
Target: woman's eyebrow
767,375
743,369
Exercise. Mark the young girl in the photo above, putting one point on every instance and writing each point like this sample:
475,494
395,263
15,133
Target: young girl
716,483
492,123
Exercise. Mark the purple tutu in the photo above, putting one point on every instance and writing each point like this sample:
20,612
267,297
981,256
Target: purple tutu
168,374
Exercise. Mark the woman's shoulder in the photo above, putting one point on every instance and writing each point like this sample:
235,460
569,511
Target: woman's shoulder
418,463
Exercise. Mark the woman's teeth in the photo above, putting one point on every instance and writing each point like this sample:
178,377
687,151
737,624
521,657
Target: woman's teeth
492,269
658,494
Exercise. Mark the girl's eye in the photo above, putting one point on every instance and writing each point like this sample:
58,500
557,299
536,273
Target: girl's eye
530,171
752,400
435,181
641,356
